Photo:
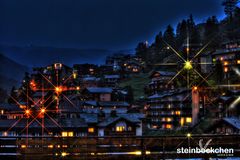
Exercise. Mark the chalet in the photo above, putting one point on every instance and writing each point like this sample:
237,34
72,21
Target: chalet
228,55
229,125
133,66
52,127
89,81
160,81
111,80
98,93
86,69
116,59
224,108
84,125
11,111
121,124
119,107
172,109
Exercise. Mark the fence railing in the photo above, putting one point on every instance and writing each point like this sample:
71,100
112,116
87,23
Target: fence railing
131,147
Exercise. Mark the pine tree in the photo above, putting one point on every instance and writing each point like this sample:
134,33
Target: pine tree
13,96
181,33
169,35
229,7
141,50
159,40
211,30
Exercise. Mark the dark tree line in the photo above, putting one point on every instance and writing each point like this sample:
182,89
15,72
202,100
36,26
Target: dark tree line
212,31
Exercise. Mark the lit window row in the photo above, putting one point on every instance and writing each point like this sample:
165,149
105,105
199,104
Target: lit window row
67,134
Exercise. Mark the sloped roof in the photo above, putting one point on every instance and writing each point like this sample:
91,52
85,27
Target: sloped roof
164,73
131,117
234,121
115,103
99,90
89,117
168,93
48,123
10,107
91,103
112,76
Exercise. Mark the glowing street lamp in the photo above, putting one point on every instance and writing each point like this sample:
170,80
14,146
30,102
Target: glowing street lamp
189,135
188,65
63,154
58,89
195,88
27,112
43,110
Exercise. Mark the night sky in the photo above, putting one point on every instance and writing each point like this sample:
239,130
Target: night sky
105,24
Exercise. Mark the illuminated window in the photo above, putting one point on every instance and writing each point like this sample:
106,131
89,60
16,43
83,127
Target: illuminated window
67,134
120,128
90,130
225,69
178,112
169,106
225,63
74,75
64,134
70,134
188,119
169,119
57,65
50,146
22,106
64,146
5,133
168,126
154,127
23,146
182,121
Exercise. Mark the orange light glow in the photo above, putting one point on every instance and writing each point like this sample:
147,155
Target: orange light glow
50,146
225,69
43,110
195,88
78,88
23,146
58,89
74,75
238,61
225,63
168,126
22,106
27,112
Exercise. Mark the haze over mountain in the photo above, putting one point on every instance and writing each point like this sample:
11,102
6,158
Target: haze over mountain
41,56
11,72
